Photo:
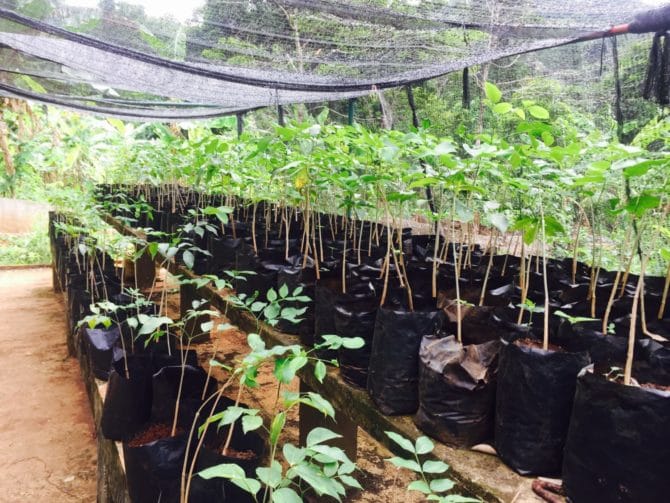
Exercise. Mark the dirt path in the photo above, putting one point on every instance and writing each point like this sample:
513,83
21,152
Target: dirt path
47,445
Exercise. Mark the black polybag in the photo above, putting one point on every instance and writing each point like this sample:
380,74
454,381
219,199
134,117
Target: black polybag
618,445
457,386
393,378
166,384
127,405
153,470
533,404
99,344
355,317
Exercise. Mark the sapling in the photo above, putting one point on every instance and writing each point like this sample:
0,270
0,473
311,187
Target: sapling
432,481
545,282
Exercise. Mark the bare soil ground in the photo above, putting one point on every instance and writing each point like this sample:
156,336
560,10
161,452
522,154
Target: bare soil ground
47,438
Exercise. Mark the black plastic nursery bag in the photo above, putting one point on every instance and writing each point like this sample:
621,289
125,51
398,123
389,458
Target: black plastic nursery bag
618,445
533,405
457,386
393,379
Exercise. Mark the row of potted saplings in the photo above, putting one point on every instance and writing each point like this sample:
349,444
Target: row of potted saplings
476,371
156,391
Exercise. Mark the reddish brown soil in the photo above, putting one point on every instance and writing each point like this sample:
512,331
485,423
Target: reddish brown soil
241,455
152,433
47,442
532,343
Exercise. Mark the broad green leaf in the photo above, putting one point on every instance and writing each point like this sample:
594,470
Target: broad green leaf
255,342
538,112
401,441
313,477
503,108
285,495
499,221
424,445
319,435
320,371
225,470
639,205
293,454
189,259
271,295
492,92
350,481
251,423
271,476
409,464
420,486
252,486
441,485
283,291
431,466
319,403
353,342
334,454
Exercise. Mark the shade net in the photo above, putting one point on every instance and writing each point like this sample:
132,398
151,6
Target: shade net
165,60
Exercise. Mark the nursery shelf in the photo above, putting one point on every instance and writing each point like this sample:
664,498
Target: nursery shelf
478,473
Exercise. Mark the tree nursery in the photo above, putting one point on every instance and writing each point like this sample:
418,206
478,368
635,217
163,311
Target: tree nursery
358,250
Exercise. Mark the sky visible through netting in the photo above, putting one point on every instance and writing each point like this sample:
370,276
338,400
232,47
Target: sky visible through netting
171,59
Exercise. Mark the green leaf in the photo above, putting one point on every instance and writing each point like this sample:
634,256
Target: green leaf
231,414
320,371
548,138
285,495
502,108
319,435
225,471
271,476
317,480
420,486
283,291
251,423
424,445
431,466
441,485
639,205
277,426
499,221
444,148
255,342
409,464
492,92
271,295
401,441
252,486
538,112
350,481
189,259
642,167
293,454
319,403
353,342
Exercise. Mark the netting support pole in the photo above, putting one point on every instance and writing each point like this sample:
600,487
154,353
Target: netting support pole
466,87
240,124
415,122
280,115
351,108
